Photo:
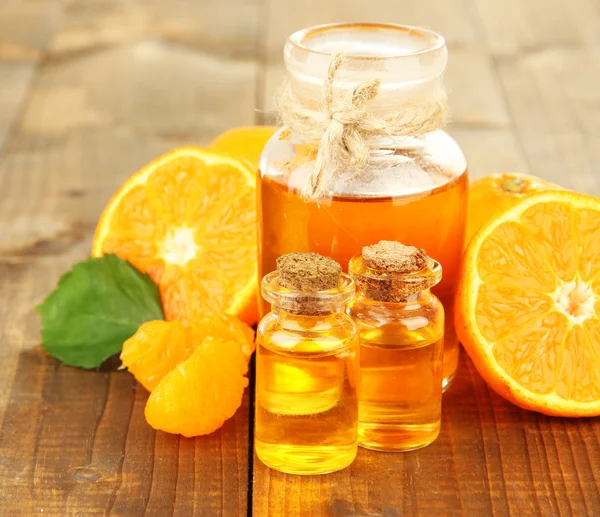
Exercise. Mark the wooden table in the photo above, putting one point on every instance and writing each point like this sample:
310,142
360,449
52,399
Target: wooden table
90,90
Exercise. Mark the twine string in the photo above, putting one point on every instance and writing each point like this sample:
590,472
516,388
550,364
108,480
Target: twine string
343,124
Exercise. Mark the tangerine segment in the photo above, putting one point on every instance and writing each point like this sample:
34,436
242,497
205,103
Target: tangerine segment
554,229
500,264
197,396
188,219
154,350
587,225
529,305
159,346
226,327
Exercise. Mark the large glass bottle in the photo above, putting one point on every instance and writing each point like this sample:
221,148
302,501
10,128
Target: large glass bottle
412,189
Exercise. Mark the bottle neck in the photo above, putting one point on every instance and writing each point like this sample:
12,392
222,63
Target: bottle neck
297,303
424,297
292,320
408,62
390,97
286,312
395,287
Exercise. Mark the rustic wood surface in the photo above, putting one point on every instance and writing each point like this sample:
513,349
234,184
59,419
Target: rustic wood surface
90,90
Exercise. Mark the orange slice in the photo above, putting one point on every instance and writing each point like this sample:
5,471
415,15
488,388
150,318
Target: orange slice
529,303
188,219
159,346
247,142
197,396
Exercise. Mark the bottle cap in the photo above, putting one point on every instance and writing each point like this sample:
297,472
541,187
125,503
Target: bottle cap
394,257
311,281
308,272
391,272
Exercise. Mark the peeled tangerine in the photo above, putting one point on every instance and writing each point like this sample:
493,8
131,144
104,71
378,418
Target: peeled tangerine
529,303
159,346
197,396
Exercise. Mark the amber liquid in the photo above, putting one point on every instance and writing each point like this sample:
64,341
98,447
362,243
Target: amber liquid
306,400
341,226
400,391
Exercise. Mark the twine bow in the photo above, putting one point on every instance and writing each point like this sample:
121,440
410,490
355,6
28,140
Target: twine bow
344,124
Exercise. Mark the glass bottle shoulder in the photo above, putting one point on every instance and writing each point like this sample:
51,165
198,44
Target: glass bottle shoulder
399,166
411,323
307,335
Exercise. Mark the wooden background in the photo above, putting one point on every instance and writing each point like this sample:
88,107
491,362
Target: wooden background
90,90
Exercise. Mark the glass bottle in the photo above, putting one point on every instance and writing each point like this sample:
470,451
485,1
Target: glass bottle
412,189
306,407
401,326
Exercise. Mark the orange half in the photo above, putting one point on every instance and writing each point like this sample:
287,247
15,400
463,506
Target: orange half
495,193
529,303
247,142
188,219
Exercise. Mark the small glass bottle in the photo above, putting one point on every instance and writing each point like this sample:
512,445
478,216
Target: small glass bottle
306,408
401,326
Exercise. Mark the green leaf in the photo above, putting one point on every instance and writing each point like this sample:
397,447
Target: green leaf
96,307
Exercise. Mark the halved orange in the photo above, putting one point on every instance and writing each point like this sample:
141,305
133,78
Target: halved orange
159,346
247,142
188,219
495,193
197,396
528,306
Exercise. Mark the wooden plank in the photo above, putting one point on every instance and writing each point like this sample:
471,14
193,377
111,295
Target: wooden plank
152,87
515,26
54,190
204,26
75,442
26,28
491,458
474,95
93,120
554,100
15,79
490,150
124,81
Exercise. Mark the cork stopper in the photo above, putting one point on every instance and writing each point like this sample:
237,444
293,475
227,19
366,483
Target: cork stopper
308,273
394,269
394,257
